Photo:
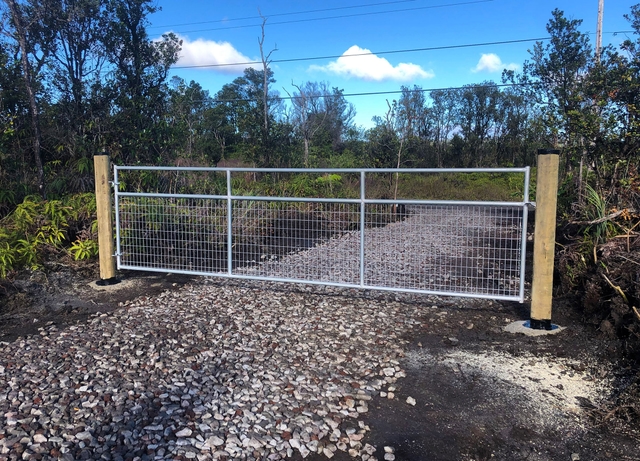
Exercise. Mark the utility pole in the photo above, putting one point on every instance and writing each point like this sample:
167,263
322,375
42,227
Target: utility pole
599,30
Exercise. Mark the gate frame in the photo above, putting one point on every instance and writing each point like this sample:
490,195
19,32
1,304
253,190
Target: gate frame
229,197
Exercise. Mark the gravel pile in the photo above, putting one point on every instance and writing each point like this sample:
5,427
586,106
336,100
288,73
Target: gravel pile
218,370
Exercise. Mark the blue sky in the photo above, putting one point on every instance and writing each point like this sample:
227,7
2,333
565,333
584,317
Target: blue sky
227,32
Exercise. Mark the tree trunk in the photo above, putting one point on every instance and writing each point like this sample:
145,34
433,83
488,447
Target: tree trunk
266,145
395,191
580,194
21,37
265,97
306,152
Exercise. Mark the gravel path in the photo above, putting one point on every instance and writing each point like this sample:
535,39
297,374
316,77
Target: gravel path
218,370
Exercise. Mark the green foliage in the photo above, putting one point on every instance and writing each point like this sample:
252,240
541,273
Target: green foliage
7,197
38,229
346,159
596,210
461,186
329,180
591,110
7,256
84,249
27,250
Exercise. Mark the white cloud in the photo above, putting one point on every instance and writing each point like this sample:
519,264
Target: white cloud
371,67
202,52
491,62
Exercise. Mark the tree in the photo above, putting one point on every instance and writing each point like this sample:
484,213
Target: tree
320,112
266,73
76,64
443,114
478,113
186,113
406,126
612,125
556,73
516,134
339,120
267,78
308,114
243,106
137,85
411,112
219,132
13,108
383,143
23,31
621,87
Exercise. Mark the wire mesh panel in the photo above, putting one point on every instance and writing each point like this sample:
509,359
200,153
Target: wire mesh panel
313,242
378,229
456,249
173,234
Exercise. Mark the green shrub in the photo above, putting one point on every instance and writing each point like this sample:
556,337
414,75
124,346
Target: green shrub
84,249
596,212
38,229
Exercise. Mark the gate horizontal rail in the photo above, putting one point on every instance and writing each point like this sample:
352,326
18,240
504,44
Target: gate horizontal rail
445,247
324,200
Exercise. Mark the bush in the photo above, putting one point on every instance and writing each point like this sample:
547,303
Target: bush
39,229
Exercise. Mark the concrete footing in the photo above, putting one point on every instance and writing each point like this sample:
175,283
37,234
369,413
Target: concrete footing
523,326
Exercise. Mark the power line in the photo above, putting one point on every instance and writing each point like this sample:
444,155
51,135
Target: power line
376,53
381,93
374,93
293,21
407,50
322,10
424,90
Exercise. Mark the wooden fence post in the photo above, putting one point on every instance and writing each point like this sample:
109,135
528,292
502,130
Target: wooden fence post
544,239
106,252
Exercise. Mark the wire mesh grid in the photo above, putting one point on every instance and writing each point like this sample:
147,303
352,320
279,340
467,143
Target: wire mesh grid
173,234
315,242
452,248
448,249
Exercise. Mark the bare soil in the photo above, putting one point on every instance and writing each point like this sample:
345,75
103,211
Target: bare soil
467,407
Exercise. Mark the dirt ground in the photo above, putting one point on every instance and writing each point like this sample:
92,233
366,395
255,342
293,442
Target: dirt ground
480,393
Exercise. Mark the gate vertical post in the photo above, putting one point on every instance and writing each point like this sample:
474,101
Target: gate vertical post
101,166
544,239
363,197
229,226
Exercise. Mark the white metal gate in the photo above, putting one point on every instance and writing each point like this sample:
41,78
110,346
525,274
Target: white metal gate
197,221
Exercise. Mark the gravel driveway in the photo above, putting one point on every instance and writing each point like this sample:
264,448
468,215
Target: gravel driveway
223,369
211,371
